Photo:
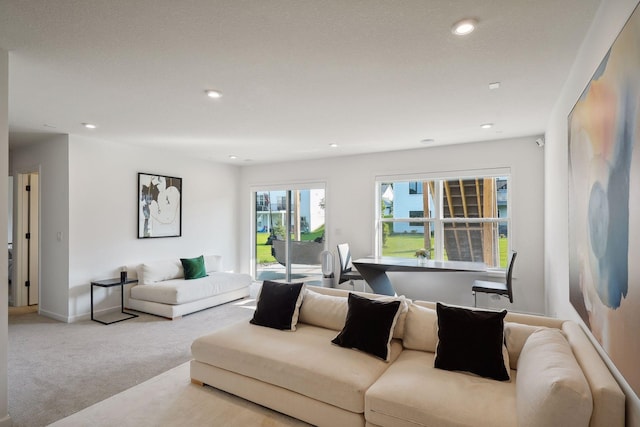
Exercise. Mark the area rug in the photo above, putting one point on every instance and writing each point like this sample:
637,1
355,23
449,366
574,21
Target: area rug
170,399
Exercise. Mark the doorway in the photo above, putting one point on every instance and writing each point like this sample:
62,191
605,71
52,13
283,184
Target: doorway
25,275
289,233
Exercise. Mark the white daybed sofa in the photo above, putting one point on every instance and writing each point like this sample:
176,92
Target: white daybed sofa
302,374
162,289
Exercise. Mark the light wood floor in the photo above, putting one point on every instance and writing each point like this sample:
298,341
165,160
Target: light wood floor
15,311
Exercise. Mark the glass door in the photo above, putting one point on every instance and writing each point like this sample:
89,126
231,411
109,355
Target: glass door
289,234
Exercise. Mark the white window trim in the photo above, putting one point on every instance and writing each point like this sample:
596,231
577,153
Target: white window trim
260,188
438,220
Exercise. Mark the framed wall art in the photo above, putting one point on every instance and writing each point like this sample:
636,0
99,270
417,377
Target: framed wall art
159,206
604,207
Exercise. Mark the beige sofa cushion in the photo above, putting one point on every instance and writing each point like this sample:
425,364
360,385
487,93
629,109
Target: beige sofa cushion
413,393
330,311
303,361
608,398
515,335
325,311
421,329
551,388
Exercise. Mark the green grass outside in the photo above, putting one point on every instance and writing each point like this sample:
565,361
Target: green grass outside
398,245
406,245
263,251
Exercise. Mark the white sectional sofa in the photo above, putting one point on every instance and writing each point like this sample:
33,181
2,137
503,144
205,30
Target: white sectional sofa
162,289
557,376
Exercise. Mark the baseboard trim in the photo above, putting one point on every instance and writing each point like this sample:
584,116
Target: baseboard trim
54,316
76,318
6,421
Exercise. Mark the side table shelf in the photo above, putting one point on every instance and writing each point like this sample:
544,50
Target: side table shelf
109,283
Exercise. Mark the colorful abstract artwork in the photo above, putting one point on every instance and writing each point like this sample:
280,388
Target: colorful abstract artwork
604,203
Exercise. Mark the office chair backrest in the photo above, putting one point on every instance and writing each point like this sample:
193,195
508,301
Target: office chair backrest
510,274
344,253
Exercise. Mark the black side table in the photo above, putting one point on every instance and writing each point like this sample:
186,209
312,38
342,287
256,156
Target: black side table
109,283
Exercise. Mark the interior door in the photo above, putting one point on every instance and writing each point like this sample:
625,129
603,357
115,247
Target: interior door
26,260
33,290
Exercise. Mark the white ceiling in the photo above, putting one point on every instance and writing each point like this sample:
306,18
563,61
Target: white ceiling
297,75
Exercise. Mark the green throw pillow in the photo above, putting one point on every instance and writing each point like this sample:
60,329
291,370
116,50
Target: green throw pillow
193,267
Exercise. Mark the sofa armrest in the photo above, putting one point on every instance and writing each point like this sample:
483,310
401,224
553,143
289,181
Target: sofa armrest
608,398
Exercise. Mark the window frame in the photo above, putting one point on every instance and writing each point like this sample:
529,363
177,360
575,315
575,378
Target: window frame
286,187
438,220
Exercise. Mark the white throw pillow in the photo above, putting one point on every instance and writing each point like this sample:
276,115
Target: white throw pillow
159,271
551,389
421,329
213,263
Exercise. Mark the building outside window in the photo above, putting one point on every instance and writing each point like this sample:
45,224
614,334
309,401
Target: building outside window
415,187
456,218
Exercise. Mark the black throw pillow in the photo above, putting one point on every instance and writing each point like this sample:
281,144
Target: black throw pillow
471,340
369,326
278,305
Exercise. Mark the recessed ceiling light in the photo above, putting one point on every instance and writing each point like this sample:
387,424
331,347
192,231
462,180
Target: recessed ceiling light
427,141
464,27
233,157
89,125
486,125
494,85
333,145
213,93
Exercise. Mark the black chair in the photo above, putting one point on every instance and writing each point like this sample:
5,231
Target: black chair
498,288
347,273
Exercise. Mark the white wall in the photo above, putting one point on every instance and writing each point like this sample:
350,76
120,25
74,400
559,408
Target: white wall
103,210
51,160
89,196
5,421
608,22
351,207
10,210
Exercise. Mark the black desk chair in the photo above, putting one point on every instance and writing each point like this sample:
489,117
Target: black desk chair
347,273
498,288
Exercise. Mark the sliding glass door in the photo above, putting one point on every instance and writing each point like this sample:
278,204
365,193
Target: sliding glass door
289,233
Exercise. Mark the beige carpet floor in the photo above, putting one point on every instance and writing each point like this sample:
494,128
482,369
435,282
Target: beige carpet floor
170,399
57,369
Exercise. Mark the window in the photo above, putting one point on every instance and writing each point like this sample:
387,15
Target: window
416,214
457,218
289,232
415,187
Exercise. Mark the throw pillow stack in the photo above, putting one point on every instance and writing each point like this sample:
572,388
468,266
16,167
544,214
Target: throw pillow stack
467,340
368,327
